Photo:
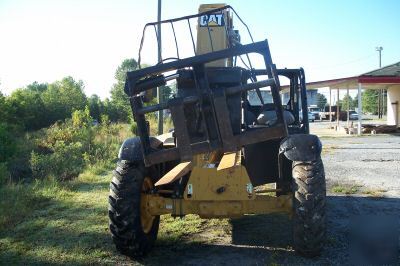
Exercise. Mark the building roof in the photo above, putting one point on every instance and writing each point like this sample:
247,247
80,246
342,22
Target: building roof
387,71
385,76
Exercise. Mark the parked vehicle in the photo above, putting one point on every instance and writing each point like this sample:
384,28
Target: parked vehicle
313,109
325,115
311,117
353,115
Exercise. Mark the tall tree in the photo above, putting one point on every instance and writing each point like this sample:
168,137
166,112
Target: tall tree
63,97
370,101
7,134
126,66
355,101
38,87
346,101
96,107
118,97
169,91
110,110
7,142
321,100
27,108
3,108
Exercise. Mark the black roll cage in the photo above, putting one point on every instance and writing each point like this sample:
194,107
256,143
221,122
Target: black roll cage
219,133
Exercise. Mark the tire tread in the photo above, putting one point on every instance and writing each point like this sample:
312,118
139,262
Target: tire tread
309,228
124,211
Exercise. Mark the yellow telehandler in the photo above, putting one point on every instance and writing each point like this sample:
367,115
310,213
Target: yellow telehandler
235,131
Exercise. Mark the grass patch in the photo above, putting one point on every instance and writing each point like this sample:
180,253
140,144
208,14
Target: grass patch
375,193
50,222
328,148
191,230
344,189
357,189
56,223
17,201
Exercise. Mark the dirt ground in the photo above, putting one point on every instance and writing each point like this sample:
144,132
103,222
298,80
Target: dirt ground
362,175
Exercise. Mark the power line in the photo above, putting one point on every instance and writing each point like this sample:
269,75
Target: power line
345,63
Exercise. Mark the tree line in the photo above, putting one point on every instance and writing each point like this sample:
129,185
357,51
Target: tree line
369,101
40,119
40,105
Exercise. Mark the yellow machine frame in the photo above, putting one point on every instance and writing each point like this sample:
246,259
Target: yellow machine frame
216,192
218,185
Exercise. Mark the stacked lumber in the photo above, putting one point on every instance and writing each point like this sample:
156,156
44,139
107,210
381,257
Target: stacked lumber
378,129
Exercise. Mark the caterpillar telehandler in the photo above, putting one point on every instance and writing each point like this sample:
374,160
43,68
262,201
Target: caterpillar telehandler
236,130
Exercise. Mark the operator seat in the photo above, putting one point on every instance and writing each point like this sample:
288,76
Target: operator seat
268,117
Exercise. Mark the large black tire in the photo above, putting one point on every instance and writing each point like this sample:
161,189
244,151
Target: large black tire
125,213
309,200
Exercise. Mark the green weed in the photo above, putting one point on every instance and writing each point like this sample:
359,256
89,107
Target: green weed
344,189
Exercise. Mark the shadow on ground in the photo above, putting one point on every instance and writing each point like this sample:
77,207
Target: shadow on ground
267,239
262,239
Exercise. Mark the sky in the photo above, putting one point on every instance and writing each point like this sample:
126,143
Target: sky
45,40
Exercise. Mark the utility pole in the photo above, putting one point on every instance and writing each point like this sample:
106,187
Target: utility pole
330,105
159,89
379,49
380,95
337,111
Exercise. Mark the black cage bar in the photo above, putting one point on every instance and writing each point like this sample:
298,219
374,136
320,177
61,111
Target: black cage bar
217,105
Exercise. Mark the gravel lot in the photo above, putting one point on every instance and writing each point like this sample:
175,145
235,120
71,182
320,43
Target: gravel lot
371,161
371,164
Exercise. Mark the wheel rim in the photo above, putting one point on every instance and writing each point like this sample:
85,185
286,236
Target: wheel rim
145,216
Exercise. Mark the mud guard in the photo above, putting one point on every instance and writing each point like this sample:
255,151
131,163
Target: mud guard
301,147
131,149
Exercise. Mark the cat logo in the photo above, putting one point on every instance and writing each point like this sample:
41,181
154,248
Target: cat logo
212,20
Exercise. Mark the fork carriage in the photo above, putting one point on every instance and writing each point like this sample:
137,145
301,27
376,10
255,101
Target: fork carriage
211,110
